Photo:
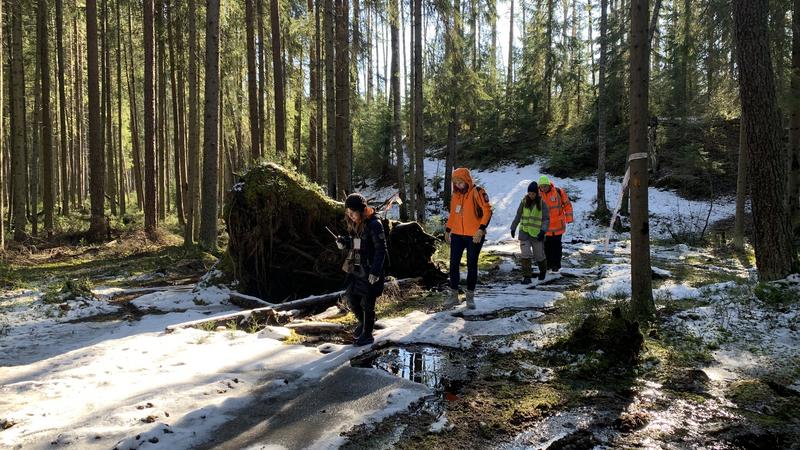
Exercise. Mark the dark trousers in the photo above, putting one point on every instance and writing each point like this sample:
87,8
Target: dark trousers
553,252
362,302
458,244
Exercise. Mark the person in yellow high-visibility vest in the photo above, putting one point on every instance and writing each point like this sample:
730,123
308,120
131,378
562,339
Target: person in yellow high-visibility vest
533,218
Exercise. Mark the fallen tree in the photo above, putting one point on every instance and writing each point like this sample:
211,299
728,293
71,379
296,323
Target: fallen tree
276,314
278,246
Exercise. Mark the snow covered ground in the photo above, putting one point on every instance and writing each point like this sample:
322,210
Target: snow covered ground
131,385
128,384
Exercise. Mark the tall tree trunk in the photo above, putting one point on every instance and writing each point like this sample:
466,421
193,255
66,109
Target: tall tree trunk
149,120
602,113
311,153
97,163
683,79
775,253
342,99
135,131
161,117
642,306
492,47
35,153
279,83
193,154
575,54
208,221
298,110
252,87
123,192
48,196
410,140
108,141
318,89
549,64
78,151
591,44
356,49
62,96
418,108
181,75
794,141
370,50
394,18
330,98
510,68
177,130
741,188
2,137
17,89
653,22
451,55
263,77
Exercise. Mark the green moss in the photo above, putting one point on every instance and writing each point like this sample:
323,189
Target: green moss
486,261
760,403
70,290
268,188
776,294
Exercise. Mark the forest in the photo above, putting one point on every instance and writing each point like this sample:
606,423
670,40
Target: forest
172,179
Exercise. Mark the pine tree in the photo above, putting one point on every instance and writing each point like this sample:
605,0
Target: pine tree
208,220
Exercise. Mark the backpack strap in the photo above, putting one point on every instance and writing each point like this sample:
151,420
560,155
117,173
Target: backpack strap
478,209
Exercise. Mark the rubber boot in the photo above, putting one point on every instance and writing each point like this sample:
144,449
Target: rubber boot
471,299
526,270
542,265
366,335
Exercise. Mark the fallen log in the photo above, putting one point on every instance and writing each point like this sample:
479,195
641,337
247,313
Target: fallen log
279,248
315,327
248,301
240,318
273,314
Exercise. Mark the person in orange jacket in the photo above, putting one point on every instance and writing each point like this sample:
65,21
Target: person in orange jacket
470,213
560,210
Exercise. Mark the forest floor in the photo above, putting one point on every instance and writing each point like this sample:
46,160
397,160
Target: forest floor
719,369
85,361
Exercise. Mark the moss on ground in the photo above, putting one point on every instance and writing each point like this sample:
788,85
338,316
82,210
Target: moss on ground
764,405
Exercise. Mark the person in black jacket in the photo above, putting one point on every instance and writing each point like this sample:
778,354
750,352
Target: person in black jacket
364,265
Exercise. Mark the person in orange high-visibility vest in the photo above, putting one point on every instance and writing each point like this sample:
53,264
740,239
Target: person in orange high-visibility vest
560,210
470,213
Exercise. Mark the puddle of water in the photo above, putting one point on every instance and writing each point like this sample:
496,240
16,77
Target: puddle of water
441,370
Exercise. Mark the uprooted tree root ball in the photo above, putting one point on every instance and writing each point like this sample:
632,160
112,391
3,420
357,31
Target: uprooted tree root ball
279,247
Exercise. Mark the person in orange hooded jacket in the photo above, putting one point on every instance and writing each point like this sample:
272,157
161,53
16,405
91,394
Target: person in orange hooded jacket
560,210
470,213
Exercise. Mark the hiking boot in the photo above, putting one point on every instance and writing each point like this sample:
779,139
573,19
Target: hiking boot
364,339
452,298
526,271
542,265
471,299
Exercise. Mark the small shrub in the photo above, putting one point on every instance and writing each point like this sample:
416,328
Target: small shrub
775,293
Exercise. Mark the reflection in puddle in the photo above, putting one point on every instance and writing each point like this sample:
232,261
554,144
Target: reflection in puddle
424,366
440,370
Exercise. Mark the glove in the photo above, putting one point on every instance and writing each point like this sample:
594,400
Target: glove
540,236
478,236
343,242
513,232
447,237
372,279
